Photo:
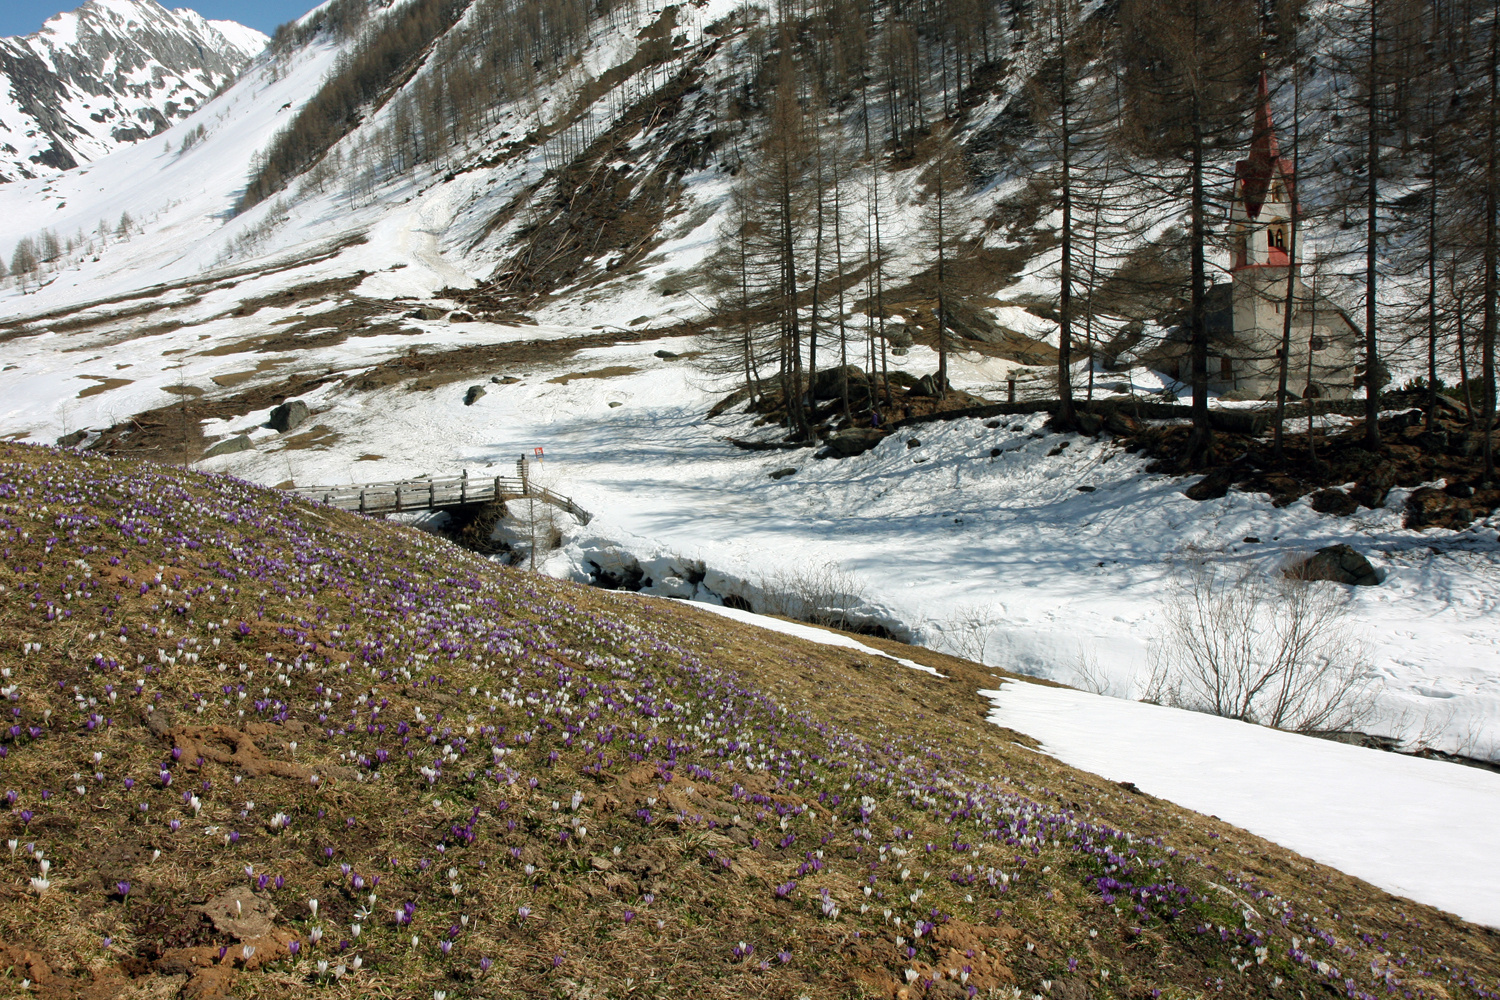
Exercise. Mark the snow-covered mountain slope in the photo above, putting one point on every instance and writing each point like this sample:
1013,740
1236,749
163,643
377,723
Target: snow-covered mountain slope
107,75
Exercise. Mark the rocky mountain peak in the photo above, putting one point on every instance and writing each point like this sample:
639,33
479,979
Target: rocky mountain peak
109,73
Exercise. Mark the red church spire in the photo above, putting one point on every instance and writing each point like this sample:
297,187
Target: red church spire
1256,172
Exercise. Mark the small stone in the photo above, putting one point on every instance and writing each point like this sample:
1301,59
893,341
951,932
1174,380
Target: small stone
914,442
472,396
614,403
667,355
783,473
1085,489
460,317
1251,540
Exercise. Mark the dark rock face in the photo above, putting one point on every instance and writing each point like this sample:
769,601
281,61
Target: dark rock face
1431,508
106,75
1339,564
289,416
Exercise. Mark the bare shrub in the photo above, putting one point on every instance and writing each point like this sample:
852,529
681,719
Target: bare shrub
1089,676
1262,648
966,633
824,595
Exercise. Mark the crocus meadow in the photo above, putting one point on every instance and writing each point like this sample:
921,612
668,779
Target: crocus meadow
278,749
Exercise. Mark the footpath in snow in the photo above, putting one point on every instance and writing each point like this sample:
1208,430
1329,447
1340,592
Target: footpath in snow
1418,828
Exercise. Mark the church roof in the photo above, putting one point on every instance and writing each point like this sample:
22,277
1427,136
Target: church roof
1256,172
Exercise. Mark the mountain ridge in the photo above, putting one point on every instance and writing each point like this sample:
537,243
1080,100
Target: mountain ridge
106,75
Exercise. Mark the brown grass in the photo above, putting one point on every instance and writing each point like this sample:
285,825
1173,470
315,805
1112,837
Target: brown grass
305,582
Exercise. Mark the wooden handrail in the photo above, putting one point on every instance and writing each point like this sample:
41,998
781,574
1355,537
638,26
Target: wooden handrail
440,493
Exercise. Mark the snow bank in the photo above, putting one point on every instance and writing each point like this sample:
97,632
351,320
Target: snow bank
1418,828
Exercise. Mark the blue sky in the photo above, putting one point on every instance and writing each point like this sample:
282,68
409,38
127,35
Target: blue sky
22,17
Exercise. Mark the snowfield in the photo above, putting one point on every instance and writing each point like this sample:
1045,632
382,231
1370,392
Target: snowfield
1418,828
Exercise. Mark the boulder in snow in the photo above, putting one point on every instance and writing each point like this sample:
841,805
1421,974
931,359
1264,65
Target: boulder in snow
1333,501
854,441
240,442
1337,563
472,396
1211,487
289,416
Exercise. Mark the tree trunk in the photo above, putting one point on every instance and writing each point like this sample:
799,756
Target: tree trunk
1372,208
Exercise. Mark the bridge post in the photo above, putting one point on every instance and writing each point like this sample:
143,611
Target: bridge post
398,498
431,493
463,487
361,501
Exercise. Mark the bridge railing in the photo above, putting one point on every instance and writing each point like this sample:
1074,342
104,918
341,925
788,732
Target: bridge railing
435,494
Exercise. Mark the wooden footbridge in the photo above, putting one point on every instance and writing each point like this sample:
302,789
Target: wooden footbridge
379,499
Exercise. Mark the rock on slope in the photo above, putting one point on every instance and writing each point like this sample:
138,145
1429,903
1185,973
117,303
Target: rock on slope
111,72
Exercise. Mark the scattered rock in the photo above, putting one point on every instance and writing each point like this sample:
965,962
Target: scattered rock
899,335
914,442
460,317
667,355
1372,490
507,380
1062,447
1333,501
992,424
1459,490
1435,441
241,914
614,403
1088,423
927,385
1251,540
289,416
854,441
1121,425
240,442
995,452
1085,489
428,313
1211,487
72,440
1432,508
783,473
1337,563
472,396
829,383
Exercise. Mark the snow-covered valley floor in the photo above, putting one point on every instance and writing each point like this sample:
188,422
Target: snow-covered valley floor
948,544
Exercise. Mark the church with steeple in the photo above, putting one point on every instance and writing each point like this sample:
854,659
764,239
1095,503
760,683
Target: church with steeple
1246,314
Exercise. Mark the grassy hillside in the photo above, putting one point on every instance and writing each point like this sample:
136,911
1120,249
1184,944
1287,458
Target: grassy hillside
223,704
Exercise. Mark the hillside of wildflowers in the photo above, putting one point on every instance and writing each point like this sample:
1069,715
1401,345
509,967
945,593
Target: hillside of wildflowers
253,747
